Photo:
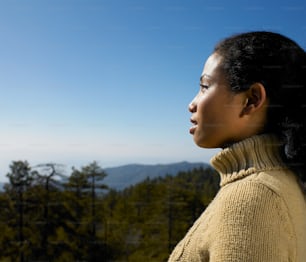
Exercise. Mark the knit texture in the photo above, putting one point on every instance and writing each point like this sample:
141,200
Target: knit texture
258,215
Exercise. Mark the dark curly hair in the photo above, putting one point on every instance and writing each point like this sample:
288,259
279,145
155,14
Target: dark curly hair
279,64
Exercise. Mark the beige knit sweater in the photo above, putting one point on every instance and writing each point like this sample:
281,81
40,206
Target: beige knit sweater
259,214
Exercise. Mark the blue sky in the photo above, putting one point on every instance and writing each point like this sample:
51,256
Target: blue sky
110,80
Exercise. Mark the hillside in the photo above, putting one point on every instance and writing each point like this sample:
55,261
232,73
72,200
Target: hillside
142,223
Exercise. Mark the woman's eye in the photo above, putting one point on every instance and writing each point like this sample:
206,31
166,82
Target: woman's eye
203,87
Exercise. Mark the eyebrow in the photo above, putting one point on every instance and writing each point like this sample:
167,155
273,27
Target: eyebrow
205,75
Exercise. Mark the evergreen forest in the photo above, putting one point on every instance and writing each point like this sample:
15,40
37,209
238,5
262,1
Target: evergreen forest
46,216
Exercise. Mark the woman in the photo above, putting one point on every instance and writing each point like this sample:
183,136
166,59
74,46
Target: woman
252,104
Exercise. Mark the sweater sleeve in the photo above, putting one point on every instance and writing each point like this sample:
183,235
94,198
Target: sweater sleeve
252,224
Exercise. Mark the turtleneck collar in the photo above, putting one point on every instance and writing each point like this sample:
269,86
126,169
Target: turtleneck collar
254,154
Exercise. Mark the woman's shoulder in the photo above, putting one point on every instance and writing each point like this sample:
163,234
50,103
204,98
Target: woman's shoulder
247,193
272,194
283,182
271,201
278,183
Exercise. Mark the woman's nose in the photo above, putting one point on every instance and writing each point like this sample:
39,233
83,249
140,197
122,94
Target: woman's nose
192,106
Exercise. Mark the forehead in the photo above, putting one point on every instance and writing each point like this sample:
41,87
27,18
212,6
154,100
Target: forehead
211,67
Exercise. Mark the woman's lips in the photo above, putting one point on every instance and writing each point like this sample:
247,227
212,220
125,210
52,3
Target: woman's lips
193,128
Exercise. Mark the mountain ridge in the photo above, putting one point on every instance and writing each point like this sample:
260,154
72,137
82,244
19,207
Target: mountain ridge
126,175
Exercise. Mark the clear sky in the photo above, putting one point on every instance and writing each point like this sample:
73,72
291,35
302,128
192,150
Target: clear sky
110,80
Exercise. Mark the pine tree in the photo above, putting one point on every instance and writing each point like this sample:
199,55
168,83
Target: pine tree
20,180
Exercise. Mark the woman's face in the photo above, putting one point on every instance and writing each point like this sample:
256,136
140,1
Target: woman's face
216,111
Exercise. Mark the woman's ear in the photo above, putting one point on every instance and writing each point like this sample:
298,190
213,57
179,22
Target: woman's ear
255,99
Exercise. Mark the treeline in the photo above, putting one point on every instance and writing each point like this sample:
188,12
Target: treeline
46,216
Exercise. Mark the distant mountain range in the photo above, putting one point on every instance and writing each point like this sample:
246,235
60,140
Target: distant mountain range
127,175
124,176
